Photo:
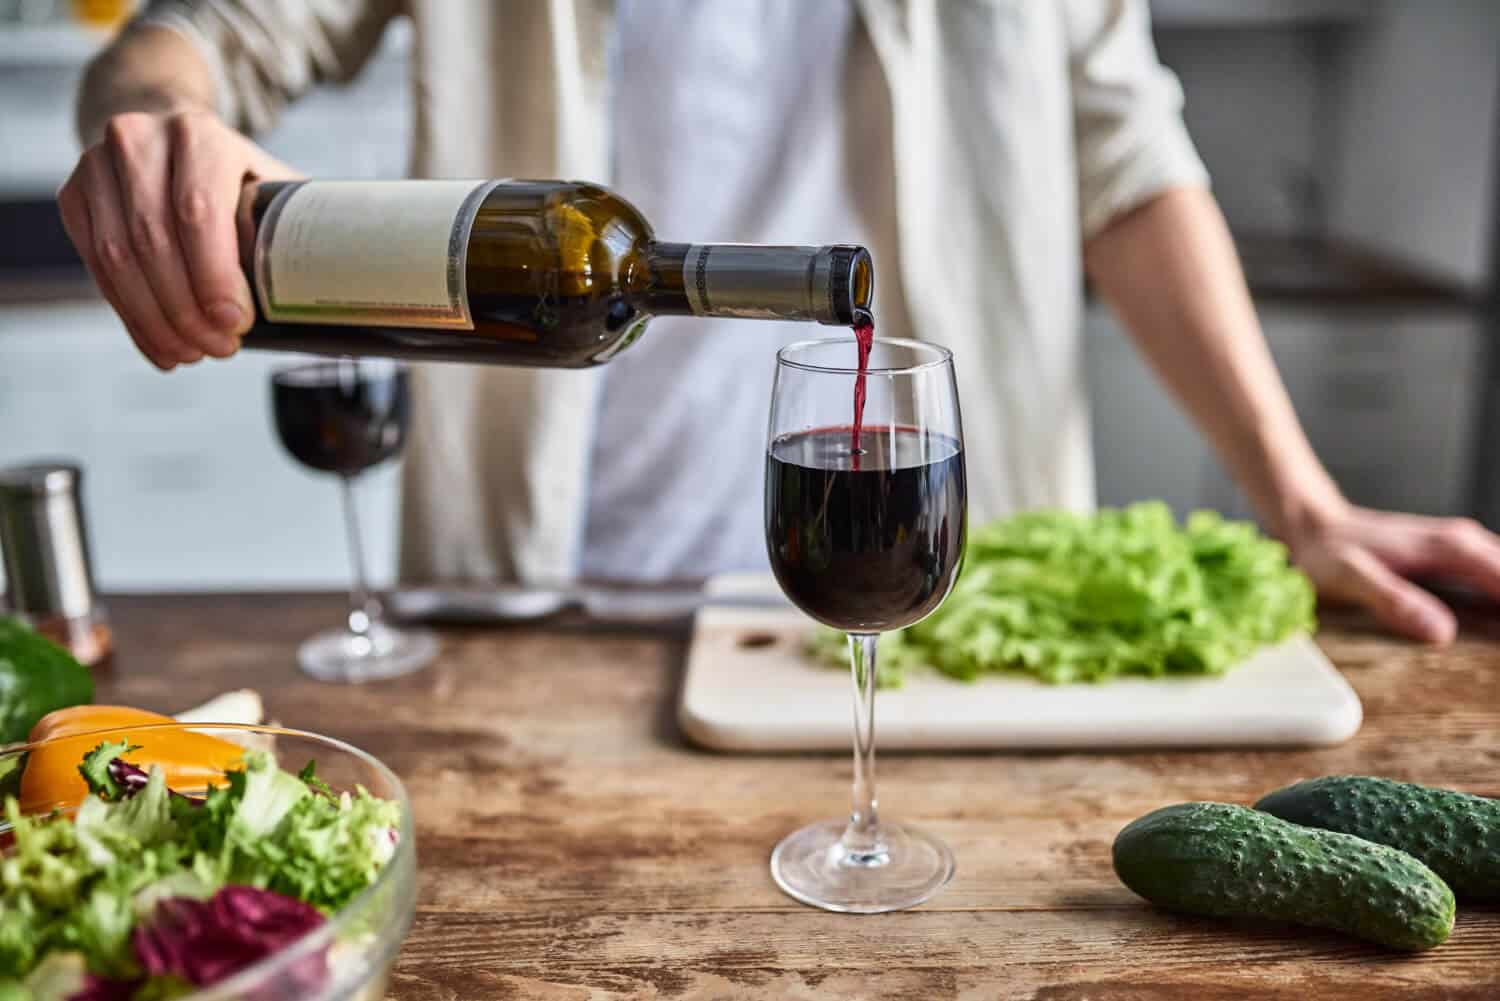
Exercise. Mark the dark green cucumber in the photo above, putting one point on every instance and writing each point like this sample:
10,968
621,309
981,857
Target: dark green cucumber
1457,835
1231,861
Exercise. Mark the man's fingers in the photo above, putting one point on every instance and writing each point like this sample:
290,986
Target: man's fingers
73,207
75,218
116,260
163,359
1465,550
142,165
206,176
1395,601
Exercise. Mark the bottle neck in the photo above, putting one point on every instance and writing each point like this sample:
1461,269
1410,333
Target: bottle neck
830,285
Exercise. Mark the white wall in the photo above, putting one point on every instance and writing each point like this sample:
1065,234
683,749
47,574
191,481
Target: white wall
1416,163
37,144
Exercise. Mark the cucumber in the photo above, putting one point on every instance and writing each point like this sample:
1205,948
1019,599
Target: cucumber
36,677
1455,834
1231,861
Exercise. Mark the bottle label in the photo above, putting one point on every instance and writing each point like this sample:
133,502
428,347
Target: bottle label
750,281
368,253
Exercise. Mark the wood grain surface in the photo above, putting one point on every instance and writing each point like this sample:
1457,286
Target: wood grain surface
573,846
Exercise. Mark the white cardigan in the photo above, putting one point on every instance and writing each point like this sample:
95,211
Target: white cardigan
1021,127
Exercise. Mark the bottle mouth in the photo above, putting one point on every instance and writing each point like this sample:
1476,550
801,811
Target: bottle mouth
851,284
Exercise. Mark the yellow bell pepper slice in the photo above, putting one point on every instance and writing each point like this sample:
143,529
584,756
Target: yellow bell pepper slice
191,761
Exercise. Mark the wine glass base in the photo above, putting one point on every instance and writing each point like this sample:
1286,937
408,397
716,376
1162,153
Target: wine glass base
382,652
811,865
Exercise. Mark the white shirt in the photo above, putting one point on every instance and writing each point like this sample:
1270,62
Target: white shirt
1020,128
729,127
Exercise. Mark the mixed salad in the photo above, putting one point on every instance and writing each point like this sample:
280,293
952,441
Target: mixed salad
144,893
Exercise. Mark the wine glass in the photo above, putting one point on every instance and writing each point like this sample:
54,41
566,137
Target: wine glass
345,417
865,531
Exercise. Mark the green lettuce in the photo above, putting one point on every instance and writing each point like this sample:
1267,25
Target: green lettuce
57,978
97,771
269,794
1069,597
108,832
276,831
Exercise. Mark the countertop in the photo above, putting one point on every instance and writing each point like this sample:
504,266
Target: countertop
572,845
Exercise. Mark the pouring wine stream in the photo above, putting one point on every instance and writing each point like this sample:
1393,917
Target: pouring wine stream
864,337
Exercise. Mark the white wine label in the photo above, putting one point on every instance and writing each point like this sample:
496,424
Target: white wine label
368,253
750,281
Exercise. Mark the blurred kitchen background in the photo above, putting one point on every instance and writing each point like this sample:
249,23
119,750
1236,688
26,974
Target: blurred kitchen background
1352,145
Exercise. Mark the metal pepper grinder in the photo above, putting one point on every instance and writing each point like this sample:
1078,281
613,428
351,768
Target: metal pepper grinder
44,545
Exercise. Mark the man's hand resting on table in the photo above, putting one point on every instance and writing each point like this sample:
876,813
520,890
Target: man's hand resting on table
1365,557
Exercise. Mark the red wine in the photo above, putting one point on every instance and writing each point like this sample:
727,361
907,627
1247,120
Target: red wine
864,339
339,417
867,549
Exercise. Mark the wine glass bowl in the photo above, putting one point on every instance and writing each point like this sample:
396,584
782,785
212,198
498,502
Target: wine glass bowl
865,533
865,538
342,417
345,417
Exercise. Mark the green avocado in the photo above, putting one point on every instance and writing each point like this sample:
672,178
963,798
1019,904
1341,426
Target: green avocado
36,677
1230,861
1457,835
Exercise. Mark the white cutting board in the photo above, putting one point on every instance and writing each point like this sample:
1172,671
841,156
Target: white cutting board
750,688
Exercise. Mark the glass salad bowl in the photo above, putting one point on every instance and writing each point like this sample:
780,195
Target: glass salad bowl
347,956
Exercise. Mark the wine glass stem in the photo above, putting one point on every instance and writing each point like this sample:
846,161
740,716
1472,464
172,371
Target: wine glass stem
364,608
862,842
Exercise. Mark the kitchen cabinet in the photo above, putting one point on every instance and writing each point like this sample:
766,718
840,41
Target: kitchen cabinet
1389,396
185,483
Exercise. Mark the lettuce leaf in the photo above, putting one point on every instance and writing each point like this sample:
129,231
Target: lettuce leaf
59,977
1067,597
329,849
99,771
269,795
108,832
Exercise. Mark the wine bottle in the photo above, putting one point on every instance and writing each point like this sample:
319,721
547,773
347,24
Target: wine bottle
549,273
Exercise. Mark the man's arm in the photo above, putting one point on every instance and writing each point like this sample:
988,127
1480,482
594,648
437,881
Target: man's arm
148,68
1170,271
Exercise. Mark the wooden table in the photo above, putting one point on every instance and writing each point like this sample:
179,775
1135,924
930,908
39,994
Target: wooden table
573,846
